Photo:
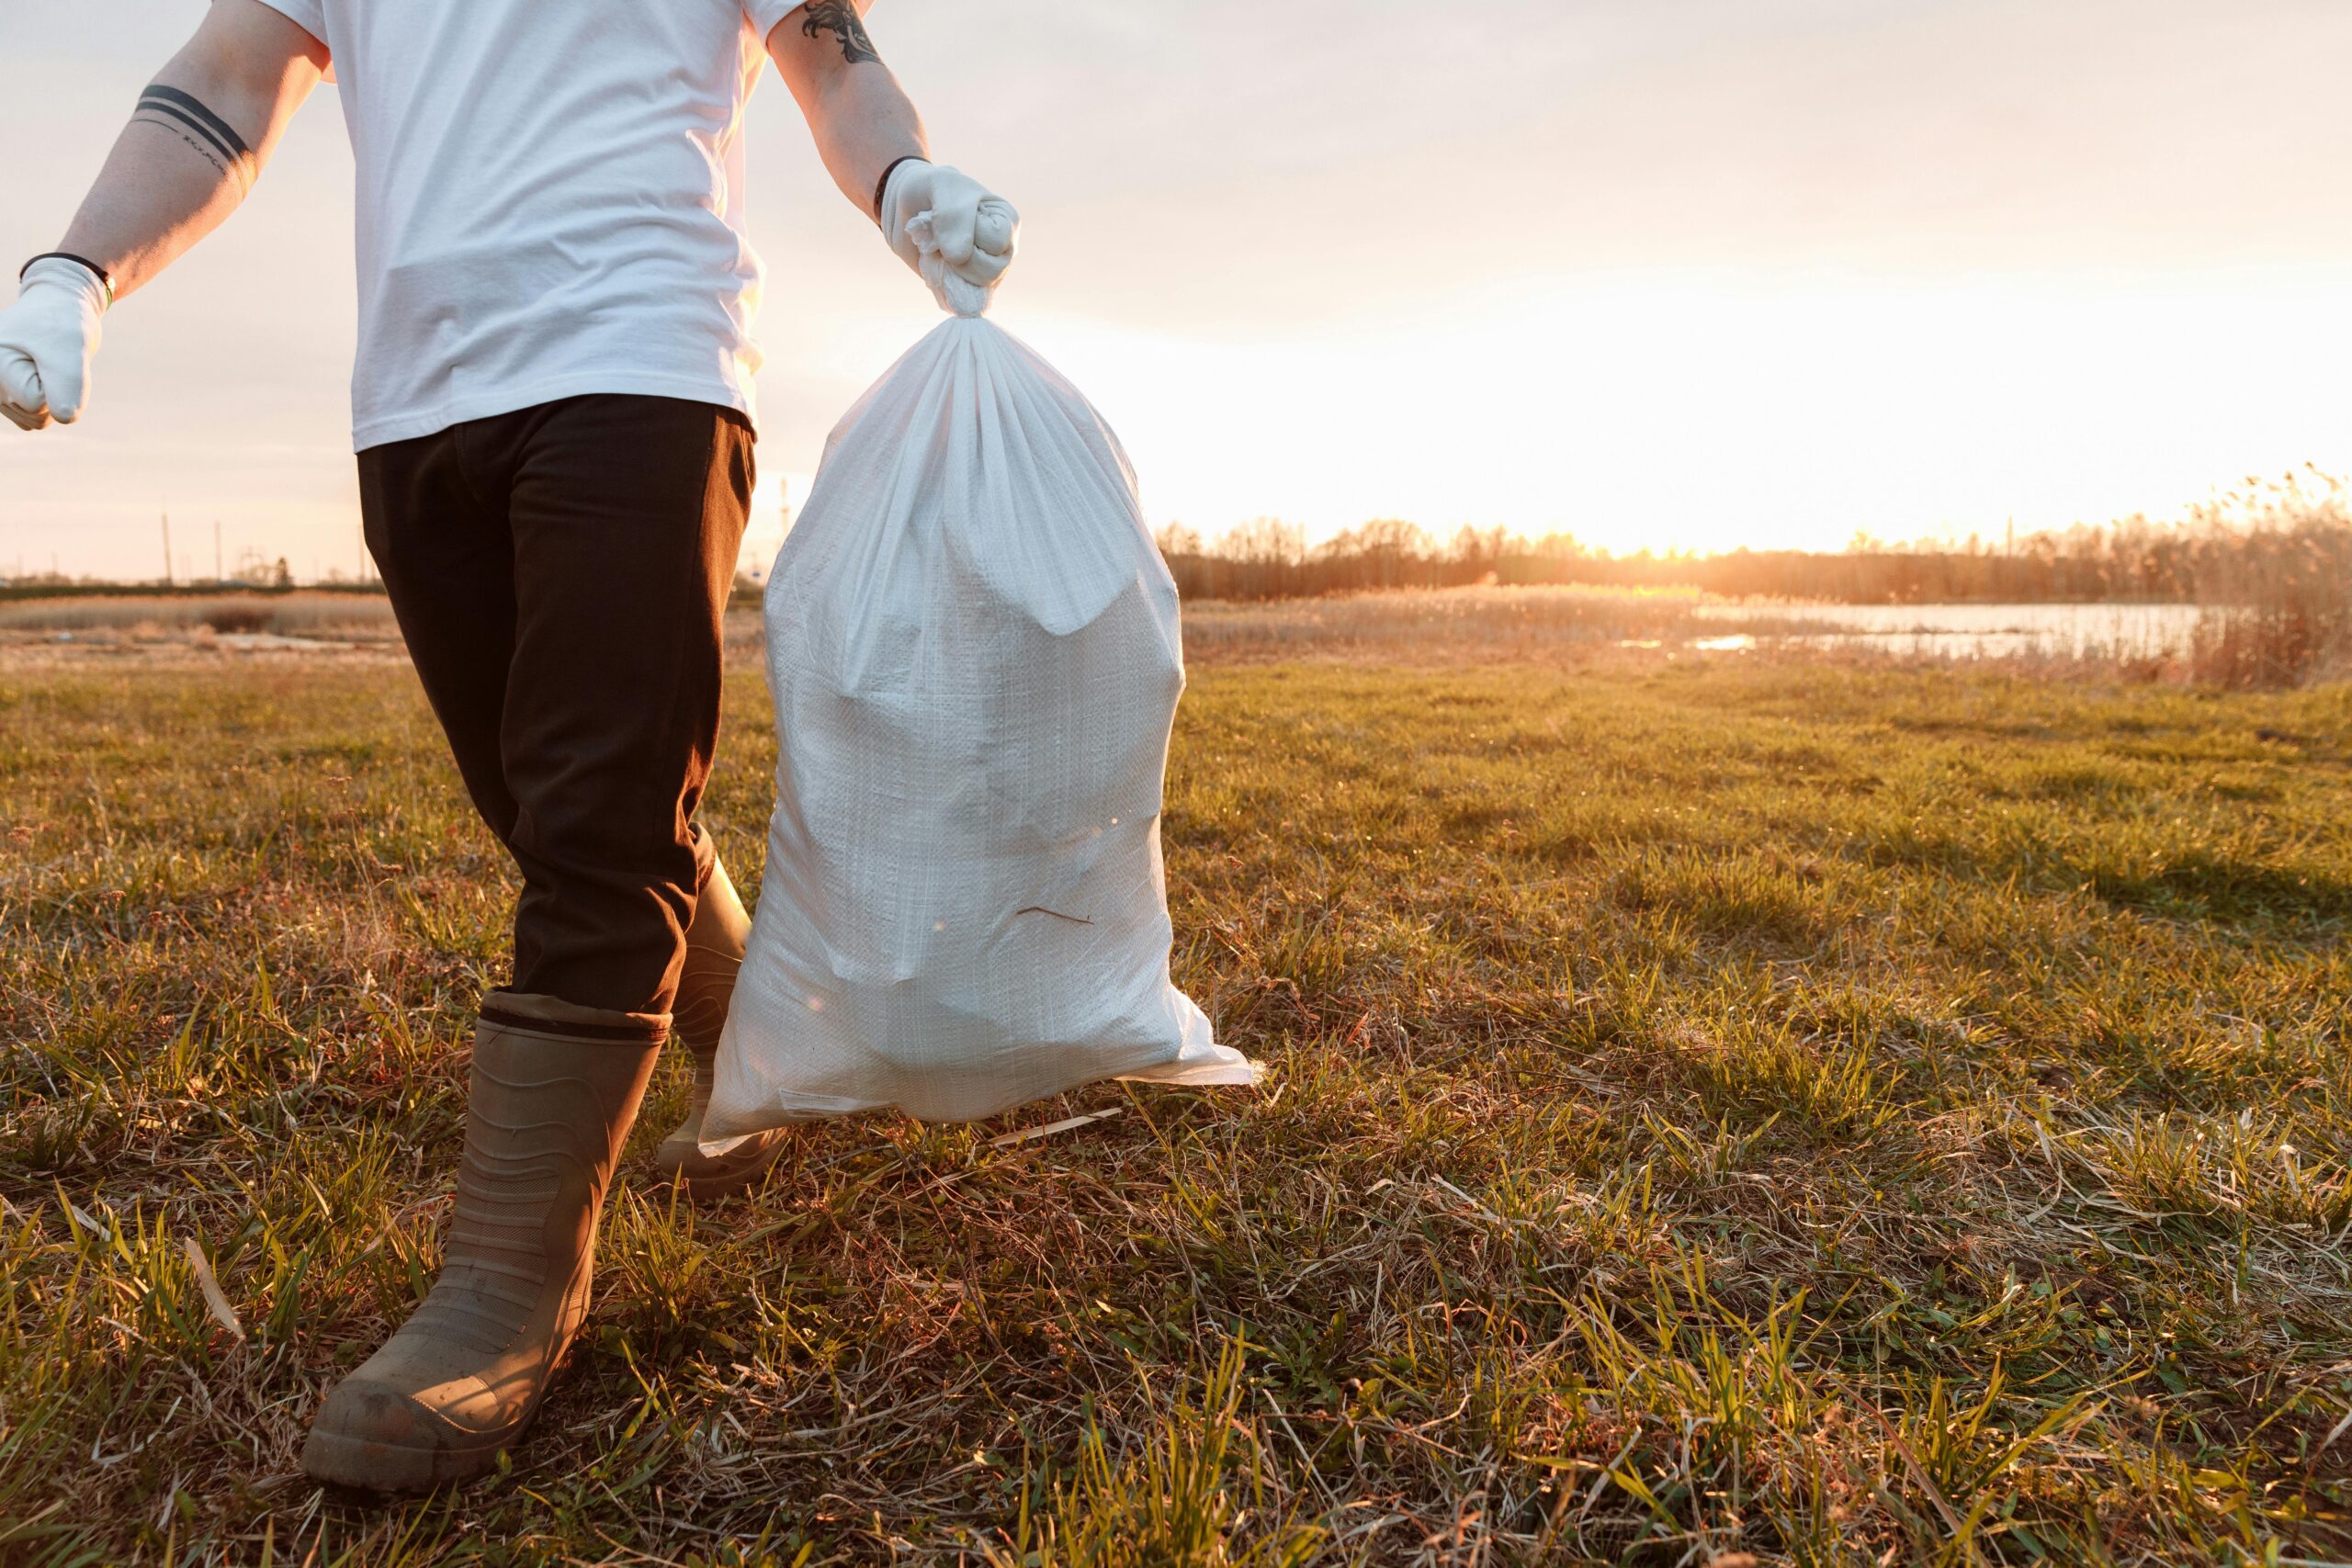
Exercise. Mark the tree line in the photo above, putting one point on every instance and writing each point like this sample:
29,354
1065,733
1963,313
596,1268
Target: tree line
2270,539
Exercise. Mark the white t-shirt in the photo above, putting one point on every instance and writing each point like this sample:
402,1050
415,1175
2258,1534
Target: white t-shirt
550,201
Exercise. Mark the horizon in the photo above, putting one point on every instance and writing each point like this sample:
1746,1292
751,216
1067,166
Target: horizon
1697,277
2286,501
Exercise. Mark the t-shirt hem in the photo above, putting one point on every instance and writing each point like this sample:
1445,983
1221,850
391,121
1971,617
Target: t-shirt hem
387,429
308,14
767,16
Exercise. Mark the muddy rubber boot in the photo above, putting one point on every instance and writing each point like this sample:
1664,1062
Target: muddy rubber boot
555,1088
705,985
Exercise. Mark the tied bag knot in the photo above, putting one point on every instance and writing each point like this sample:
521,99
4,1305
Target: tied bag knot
956,293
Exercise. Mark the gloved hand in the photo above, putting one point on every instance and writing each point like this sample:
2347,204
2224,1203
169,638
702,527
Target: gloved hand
47,340
964,241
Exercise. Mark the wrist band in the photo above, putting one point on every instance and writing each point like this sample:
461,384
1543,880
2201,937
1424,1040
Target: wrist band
882,185
106,279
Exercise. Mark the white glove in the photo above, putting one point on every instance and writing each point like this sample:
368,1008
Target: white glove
946,225
47,340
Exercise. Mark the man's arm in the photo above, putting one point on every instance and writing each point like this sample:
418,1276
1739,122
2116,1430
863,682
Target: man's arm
862,119
196,142
199,138
873,143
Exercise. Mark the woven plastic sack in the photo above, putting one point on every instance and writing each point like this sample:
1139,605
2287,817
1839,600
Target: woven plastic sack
974,651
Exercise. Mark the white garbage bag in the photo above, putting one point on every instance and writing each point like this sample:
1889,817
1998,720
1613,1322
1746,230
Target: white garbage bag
973,648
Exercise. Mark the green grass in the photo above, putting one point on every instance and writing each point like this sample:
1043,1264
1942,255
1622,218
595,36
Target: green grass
1840,1115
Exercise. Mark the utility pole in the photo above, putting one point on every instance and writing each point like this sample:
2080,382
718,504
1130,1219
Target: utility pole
218,575
167,550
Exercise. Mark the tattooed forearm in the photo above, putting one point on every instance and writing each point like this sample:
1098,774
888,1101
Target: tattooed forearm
842,20
201,149
200,128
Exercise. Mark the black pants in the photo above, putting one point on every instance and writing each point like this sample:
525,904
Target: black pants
561,575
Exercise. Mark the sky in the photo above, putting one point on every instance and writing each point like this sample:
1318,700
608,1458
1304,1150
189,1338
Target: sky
1657,273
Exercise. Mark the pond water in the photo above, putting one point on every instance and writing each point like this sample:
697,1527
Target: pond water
1978,631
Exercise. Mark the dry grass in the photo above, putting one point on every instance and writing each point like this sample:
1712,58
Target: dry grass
337,616
1839,1114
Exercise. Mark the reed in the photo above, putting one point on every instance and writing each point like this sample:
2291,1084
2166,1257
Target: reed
2274,576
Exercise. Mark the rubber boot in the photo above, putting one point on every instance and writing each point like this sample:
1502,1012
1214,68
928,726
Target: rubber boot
705,986
554,1089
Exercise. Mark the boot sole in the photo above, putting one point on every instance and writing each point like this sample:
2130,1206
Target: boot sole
366,1465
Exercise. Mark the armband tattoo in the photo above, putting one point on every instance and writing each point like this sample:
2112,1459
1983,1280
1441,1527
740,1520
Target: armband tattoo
841,19
200,128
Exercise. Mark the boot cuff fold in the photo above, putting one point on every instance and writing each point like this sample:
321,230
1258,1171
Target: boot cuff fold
552,1015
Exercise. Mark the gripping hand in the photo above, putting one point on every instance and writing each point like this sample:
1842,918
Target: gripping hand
47,340
957,236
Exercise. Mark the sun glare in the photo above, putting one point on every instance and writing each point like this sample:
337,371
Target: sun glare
1709,411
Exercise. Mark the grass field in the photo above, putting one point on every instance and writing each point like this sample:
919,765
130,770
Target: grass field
1841,1114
